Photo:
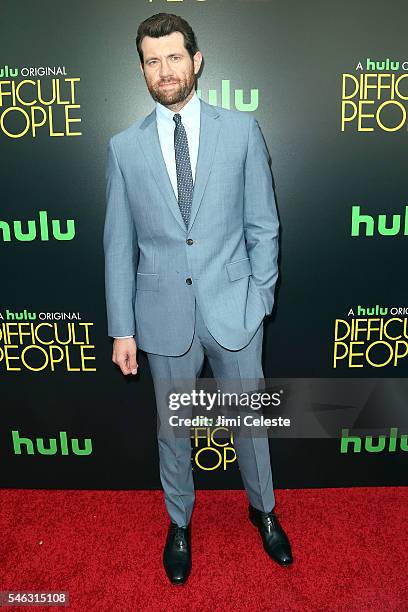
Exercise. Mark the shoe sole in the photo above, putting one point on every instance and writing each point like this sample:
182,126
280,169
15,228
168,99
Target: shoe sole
177,582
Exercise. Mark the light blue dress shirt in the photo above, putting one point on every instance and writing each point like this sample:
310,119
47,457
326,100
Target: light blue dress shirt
190,118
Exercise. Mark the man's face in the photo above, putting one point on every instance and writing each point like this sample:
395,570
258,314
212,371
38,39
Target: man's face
168,68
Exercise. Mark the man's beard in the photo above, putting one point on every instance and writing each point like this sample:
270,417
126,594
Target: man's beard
173,95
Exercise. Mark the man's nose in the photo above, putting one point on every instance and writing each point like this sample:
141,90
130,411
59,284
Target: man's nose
165,69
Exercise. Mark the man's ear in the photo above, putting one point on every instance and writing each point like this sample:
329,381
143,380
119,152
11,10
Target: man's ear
141,68
197,59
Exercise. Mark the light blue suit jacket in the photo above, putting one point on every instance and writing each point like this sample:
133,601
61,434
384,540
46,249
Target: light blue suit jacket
229,250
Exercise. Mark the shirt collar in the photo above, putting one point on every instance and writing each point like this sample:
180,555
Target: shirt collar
189,113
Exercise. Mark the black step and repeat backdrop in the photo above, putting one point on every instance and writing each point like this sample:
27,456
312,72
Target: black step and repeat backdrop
328,84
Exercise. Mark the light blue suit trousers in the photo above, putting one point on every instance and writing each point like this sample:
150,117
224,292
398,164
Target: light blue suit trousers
175,452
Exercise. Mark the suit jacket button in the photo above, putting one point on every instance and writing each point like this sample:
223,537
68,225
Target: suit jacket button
189,241
189,281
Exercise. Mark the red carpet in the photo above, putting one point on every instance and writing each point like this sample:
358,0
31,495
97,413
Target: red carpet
349,545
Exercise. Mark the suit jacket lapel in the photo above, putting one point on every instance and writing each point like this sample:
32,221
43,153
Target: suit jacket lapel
150,145
209,131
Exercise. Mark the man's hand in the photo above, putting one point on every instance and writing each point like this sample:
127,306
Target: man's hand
124,355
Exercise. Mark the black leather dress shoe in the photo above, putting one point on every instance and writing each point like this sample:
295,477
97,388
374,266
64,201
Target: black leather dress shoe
274,539
177,554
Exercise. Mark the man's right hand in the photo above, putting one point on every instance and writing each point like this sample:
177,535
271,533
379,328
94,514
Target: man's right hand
124,355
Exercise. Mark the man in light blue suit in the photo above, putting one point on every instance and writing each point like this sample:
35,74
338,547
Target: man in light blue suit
191,245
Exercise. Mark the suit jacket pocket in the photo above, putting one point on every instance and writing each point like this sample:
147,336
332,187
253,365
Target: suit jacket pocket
147,282
239,268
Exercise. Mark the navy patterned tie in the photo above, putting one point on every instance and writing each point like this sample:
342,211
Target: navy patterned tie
183,169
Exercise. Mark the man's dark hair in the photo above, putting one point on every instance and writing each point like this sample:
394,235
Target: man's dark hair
163,24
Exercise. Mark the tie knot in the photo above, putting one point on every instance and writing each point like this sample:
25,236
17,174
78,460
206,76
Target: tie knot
177,118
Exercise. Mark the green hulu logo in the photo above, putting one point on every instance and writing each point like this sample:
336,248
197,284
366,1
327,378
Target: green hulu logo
384,226
374,311
373,446
37,228
383,65
238,101
51,446
6,71
20,316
